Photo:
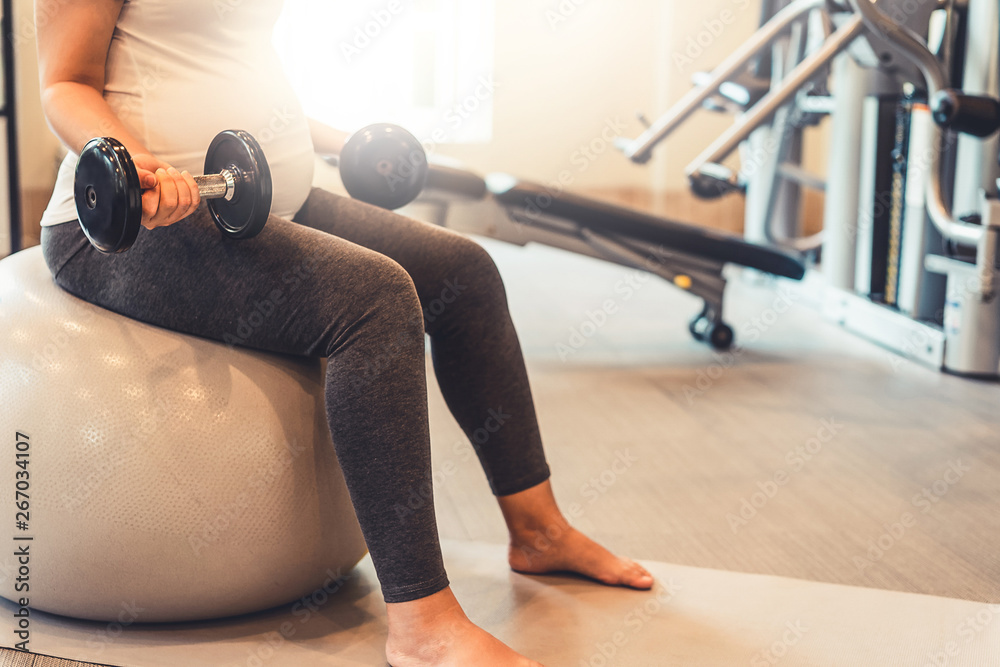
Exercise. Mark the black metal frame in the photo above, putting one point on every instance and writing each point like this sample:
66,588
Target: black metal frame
7,112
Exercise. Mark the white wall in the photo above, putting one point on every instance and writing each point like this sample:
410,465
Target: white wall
561,82
566,69
38,146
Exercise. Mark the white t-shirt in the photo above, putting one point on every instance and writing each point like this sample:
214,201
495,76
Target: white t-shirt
181,71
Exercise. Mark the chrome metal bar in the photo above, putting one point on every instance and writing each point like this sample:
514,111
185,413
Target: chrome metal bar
986,257
801,176
216,186
641,149
754,117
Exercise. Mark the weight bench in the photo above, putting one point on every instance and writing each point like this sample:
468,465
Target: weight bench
691,258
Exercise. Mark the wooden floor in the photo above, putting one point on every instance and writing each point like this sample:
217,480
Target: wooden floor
9,658
855,433
671,452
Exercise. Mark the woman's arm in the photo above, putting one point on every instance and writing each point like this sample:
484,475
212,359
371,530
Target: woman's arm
327,140
73,45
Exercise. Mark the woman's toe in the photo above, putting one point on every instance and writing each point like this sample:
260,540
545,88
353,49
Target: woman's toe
636,576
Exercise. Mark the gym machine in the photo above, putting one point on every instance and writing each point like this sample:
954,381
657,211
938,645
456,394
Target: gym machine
938,269
901,268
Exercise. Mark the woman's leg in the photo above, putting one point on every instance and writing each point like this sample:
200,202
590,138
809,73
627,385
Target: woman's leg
475,350
325,297
478,361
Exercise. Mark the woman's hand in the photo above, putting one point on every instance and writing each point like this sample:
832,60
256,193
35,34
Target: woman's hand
168,195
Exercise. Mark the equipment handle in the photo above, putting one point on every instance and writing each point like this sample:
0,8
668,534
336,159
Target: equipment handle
970,114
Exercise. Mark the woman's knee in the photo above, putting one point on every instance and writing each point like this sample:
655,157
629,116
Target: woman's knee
469,275
388,296
384,332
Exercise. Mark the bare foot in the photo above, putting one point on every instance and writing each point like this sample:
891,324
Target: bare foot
541,540
562,548
434,631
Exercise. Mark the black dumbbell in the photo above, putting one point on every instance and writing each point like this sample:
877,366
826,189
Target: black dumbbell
108,196
383,165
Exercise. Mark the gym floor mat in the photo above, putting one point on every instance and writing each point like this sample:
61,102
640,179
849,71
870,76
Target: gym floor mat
693,617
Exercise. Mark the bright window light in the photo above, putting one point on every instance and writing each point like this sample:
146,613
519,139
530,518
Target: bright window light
424,64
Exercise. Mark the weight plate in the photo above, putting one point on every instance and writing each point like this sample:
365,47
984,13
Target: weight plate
245,215
383,165
108,196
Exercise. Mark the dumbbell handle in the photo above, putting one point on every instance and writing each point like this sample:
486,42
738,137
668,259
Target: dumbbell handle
217,186
210,186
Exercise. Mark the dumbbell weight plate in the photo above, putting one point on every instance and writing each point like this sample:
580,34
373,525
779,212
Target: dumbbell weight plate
108,196
383,165
245,215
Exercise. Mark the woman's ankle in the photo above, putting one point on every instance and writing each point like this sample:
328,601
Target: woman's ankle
434,631
532,511
416,619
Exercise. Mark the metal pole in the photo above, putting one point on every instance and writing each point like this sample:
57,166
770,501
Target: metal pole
641,149
13,170
840,215
752,118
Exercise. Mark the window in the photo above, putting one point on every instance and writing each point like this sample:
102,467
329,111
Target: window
424,64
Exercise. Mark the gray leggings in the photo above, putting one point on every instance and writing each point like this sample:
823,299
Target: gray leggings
359,286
